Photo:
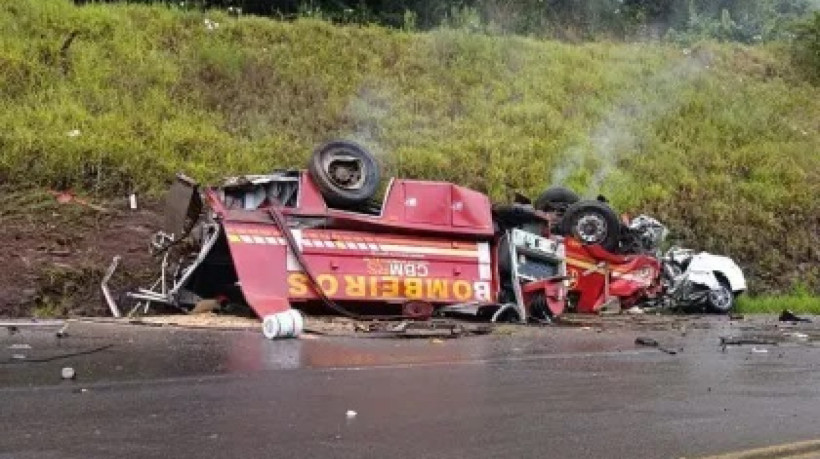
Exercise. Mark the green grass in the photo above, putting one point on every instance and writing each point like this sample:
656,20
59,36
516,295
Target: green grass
718,141
770,304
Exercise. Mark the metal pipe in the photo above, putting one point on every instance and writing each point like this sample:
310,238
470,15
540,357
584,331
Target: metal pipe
203,252
112,305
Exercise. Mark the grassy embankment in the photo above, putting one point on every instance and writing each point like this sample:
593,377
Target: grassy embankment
798,302
719,141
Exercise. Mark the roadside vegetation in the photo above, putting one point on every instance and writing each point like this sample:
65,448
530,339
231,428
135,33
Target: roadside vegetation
718,140
799,300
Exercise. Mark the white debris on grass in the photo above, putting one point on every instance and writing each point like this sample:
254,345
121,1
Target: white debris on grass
210,25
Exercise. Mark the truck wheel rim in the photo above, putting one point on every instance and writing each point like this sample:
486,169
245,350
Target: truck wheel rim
346,172
591,228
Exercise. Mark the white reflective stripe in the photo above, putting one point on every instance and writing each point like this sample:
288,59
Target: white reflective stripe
307,243
330,245
271,240
484,271
428,250
245,238
484,252
632,278
259,240
351,245
291,263
297,236
373,247
362,246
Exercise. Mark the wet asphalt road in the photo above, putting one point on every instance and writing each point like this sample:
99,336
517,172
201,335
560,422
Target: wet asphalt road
557,392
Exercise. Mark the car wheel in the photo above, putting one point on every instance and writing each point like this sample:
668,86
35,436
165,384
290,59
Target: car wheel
720,300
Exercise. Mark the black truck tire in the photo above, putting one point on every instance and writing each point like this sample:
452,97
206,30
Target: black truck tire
592,222
346,174
555,199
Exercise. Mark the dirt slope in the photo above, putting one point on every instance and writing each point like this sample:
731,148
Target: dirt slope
55,254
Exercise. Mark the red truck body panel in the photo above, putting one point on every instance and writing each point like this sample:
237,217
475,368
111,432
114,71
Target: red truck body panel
431,241
631,277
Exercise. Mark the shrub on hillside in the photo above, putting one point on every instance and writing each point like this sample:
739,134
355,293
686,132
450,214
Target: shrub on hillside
806,47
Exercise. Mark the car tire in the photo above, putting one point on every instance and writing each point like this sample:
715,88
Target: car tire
346,174
720,300
591,223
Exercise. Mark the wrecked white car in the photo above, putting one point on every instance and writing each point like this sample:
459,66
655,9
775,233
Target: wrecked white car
702,280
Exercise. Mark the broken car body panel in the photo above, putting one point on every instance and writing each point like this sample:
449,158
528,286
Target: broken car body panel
708,267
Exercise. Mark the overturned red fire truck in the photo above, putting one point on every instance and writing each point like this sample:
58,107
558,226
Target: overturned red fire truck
317,241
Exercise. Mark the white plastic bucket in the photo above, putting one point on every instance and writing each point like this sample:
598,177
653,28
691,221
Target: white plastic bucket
287,324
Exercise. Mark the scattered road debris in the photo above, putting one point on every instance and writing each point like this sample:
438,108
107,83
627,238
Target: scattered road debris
797,335
739,341
759,350
109,299
62,332
789,316
16,358
288,324
644,341
650,342
18,324
68,373
726,341
65,197
435,329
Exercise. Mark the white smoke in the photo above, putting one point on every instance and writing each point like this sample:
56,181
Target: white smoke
619,133
368,119
366,113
